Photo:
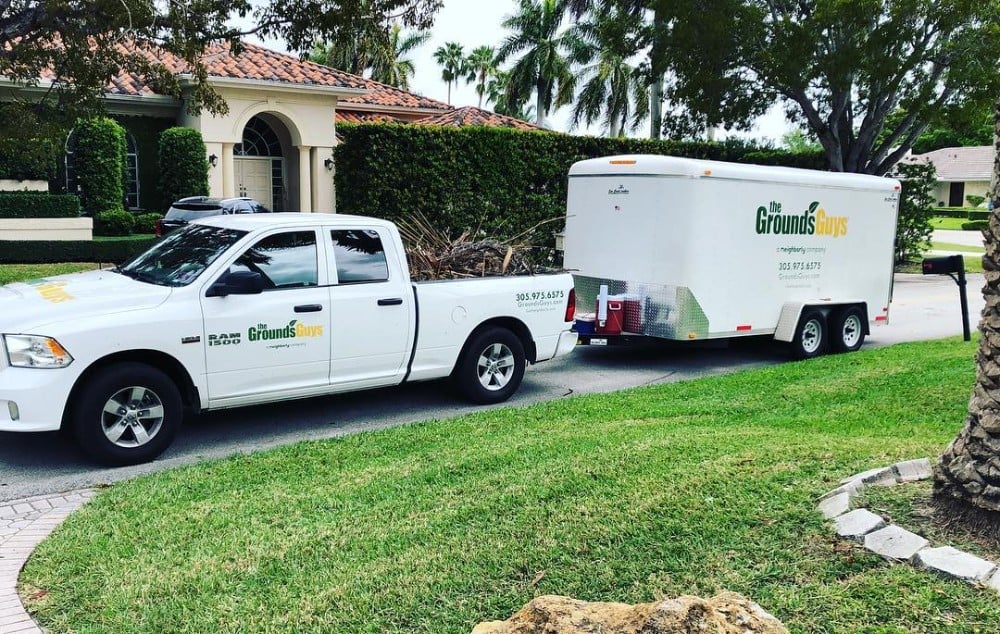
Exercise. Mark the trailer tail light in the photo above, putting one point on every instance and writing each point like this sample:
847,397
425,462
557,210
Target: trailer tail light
744,328
158,229
571,306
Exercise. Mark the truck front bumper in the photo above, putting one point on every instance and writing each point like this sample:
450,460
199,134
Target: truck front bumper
33,400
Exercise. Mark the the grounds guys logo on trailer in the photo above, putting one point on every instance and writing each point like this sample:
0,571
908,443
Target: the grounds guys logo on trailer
294,330
812,221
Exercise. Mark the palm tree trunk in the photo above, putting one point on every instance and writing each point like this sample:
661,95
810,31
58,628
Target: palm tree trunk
449,93
967,477
539,112
656,109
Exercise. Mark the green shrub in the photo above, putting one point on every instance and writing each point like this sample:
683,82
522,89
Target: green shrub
31,143
916,207
146,223
979,215
38,205
975,200
99,162
114,222
976,225
41,251
501,181
183,164
951,212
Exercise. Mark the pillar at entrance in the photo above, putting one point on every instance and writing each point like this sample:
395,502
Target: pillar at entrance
305,179
228,171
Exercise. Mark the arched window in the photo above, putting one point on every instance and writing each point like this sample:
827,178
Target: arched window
259,139
131,168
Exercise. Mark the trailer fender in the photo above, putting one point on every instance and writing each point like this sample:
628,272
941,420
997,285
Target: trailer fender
788,321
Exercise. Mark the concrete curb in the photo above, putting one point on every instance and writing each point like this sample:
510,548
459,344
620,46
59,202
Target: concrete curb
23,525
892,542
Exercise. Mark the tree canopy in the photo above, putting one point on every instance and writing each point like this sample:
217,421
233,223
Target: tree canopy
75,47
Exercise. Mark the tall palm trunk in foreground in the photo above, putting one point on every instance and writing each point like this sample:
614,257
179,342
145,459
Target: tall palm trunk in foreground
967,477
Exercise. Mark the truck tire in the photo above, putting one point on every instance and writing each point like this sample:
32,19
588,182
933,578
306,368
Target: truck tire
491,366
127,414
847,329
810,335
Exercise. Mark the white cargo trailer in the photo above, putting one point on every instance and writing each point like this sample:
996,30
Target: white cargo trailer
685,249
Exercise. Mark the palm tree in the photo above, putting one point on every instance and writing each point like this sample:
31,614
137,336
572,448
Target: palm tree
482,65
451,58
967,476
392,67
616,91
543,68
352,48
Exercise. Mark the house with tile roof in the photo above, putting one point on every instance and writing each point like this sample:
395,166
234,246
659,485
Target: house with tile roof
276,142
961,171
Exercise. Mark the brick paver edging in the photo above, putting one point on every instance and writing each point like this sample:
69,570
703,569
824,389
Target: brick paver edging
23,525
895,543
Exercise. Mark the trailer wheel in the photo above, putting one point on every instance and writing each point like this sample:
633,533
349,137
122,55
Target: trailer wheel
847,329
491,367
810,336
127,414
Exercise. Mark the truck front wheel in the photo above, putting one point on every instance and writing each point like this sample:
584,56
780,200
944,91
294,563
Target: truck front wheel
127,414
491,367
847,329
810,335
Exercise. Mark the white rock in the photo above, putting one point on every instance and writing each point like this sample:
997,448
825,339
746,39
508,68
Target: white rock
954,563
893,542
833,506
857,523
913,470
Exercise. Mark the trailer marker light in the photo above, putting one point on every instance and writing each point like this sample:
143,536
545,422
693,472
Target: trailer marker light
708,172
623,162
743,328
571,305
882,318
692,335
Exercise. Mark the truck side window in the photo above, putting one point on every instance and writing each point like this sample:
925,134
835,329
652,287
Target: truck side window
359,255
286,260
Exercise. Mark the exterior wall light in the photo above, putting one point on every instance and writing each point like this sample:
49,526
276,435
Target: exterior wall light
328,163
213,160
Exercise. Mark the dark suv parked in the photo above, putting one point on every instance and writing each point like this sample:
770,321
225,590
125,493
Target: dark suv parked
187,209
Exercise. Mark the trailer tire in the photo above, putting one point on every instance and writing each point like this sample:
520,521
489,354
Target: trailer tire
491,366
810,335
127,414
847,329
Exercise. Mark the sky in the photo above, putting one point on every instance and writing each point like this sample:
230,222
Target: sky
474,23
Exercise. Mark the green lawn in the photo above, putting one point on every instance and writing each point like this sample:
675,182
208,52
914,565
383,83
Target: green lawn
684,488
20,272
940,222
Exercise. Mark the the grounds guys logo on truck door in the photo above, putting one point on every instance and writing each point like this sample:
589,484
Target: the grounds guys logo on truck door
294,330
812,221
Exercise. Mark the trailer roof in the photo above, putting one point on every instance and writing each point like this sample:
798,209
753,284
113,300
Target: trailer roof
655,165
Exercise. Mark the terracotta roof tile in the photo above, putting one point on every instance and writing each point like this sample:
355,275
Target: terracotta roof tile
345,116
955,164
470,115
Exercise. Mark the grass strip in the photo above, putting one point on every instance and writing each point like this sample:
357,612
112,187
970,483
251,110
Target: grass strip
22,272
685,488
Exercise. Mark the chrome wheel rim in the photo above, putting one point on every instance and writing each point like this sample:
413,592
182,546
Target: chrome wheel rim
495,367
852,331
812,336
132,417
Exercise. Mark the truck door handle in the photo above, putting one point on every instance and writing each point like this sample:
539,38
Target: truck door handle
393,301
309,308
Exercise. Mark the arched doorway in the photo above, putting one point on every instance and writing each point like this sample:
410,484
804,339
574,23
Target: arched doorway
259,164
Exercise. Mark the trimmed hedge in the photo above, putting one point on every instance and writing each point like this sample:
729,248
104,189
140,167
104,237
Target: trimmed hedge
44,251
976,225
951,212
99,159
498,180
979,215
183,164
114,222
146,223
38,205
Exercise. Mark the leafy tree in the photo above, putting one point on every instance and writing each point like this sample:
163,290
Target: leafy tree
916,206
482,66
452,60
98,155
798,141
841,67
543,67
80,46
393,67
967,476
183,164
615,90
501,98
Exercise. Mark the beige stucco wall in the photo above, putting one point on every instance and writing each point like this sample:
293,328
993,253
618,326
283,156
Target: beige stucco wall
7,185
942,191
308,118
46,228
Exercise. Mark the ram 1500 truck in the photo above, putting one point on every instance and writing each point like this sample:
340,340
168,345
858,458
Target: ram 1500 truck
238,310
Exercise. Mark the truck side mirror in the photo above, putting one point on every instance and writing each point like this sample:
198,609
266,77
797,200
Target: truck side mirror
237,283
943,265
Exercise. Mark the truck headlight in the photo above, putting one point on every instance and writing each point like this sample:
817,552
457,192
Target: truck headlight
31,351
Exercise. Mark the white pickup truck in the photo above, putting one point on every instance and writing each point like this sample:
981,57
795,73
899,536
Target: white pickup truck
239,310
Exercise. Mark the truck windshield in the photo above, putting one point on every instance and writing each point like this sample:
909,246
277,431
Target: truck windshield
182,256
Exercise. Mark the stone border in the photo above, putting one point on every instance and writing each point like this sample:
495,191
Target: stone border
891,541
23,525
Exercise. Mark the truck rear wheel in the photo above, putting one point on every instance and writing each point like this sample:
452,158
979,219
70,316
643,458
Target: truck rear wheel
127,414
847,329
491,367
810,335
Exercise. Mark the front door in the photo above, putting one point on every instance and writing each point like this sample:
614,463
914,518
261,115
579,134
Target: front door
276,342
254,179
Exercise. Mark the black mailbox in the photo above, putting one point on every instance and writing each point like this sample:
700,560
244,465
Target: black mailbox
944,265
